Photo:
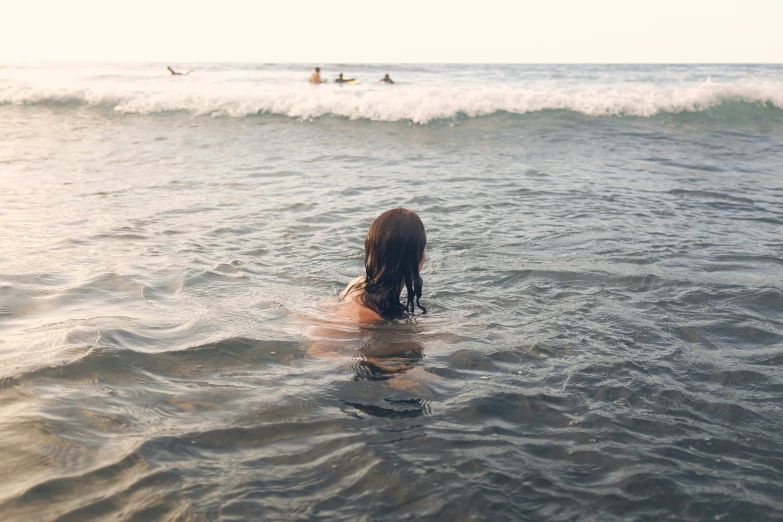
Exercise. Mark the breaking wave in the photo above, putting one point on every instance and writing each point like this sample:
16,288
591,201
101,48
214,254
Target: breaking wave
404,103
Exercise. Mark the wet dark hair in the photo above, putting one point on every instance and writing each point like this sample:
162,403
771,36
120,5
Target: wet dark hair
393,250
317,69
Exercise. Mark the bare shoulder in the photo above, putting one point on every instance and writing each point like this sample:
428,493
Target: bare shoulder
353,309
352,288
357,312
342,326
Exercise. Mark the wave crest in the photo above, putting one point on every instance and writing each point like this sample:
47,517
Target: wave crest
415,104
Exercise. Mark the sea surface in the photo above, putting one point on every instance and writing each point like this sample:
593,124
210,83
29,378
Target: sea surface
604,286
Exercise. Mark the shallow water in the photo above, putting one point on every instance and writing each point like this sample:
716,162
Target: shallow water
604,338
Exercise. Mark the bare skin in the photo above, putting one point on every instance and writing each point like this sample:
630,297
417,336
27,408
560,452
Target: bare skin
355,314
316,77
352,334
355,311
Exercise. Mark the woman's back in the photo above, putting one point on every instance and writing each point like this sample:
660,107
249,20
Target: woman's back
394,254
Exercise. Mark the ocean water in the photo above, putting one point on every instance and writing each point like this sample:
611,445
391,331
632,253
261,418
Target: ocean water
604,286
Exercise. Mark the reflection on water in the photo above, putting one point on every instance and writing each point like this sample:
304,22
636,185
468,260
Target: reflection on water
389,361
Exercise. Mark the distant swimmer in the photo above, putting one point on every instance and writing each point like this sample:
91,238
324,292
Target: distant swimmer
316,76
386,79
175,73
340,79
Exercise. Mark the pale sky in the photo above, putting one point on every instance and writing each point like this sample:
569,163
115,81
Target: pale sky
372,31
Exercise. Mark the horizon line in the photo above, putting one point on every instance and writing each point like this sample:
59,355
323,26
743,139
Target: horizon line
310,63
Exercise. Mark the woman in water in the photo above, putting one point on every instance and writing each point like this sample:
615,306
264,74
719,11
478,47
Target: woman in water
394,252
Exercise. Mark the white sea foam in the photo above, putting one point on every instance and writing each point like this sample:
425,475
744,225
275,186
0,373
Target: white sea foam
407,102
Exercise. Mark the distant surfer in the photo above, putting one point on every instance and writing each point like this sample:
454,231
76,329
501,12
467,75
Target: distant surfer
340,79
175,73
386,79
316,76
